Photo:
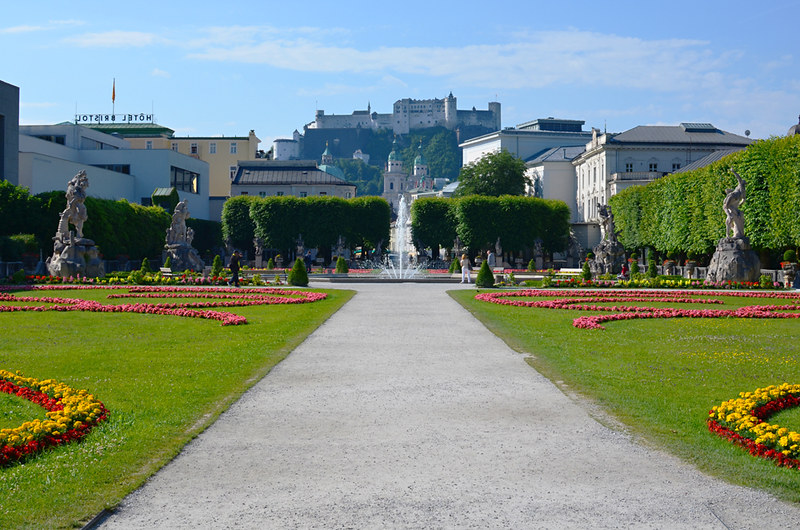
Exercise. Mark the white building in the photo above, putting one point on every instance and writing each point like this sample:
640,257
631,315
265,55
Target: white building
50,155
553,176
9,132
527,139
298,178
613,162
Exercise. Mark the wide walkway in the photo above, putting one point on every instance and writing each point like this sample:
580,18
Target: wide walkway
403,411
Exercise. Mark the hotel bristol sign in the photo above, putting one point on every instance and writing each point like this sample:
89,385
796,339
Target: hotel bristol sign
114,118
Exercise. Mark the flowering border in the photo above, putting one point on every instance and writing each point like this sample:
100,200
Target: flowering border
586,300
71,414
743,421
220,298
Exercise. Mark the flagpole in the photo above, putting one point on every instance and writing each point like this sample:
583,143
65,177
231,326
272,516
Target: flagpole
113,96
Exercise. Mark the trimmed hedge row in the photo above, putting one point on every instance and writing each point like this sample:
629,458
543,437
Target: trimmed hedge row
479,220
278,221
683,214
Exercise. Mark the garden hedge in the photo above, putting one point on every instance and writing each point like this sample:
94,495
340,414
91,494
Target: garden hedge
682,213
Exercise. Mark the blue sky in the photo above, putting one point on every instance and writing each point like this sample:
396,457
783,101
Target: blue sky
223,68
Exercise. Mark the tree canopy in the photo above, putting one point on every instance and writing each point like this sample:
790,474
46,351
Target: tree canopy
494,174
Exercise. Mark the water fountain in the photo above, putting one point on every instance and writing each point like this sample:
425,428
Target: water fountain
397,265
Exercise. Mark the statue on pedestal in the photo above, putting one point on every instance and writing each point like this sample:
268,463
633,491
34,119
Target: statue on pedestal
178,244
609,254
73,254
733,259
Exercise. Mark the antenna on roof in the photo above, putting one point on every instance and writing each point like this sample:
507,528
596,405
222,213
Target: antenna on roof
604,126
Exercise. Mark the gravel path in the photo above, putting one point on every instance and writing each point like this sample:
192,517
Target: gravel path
403,411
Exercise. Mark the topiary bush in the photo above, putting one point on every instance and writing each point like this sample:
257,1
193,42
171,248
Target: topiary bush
298,275
341,266
532,265
455,266
790,256
168,262
586,272
485,276
652,271
145,268
270,264
216,266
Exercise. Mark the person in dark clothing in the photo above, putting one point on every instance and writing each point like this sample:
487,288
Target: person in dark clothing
234,266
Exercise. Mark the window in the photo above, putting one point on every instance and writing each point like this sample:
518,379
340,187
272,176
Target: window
174,146
148,144
279,194
391,185
234,148
194,148
304,194
212,148
262,194
233,172
244,193
676,166
347,195
653,166
628,167
184,180
323,193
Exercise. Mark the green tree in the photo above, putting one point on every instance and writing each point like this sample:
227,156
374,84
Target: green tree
237,225
494,174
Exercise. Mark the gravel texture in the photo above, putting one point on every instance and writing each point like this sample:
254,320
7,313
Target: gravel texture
403,411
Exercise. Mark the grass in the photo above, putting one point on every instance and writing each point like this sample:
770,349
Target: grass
164,379
661,377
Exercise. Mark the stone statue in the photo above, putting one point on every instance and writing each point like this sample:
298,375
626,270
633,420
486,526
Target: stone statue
75,212
734,260
178,244
607,228
73,254
301,246
259,246
734,220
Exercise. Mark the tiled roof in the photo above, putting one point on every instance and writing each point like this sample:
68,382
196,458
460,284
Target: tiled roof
556,154
261,172
687,133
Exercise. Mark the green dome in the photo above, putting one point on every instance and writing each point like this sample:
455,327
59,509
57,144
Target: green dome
393,155
420,160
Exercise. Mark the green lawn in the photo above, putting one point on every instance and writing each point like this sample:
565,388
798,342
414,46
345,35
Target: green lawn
163,379
661,377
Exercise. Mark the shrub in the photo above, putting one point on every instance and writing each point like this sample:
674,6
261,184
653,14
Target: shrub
586,272
298,275
765,281
532,265
790,256
652,272
485,277
455,266
18,278
168,262
634,265
270,264
341,266
145,268
136,277
216,266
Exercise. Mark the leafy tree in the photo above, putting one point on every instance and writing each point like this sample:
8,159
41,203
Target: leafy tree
494,174
216,266
368,179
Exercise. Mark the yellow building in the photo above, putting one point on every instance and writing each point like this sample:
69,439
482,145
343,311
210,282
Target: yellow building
222,153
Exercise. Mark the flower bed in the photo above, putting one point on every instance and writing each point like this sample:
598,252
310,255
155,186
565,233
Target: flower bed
743,421
584,300
71,414
216,298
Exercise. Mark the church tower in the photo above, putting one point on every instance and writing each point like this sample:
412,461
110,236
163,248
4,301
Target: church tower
327,157
394,178
422,179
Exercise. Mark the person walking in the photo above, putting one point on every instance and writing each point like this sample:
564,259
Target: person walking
465,268
490,258
234,266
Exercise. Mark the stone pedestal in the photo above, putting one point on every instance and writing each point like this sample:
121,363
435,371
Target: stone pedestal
183,257
734,261
75,257
608,258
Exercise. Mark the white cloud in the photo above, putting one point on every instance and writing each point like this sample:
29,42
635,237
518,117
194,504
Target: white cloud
116,39
22,29
157,72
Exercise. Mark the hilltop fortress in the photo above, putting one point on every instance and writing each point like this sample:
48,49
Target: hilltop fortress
409,114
